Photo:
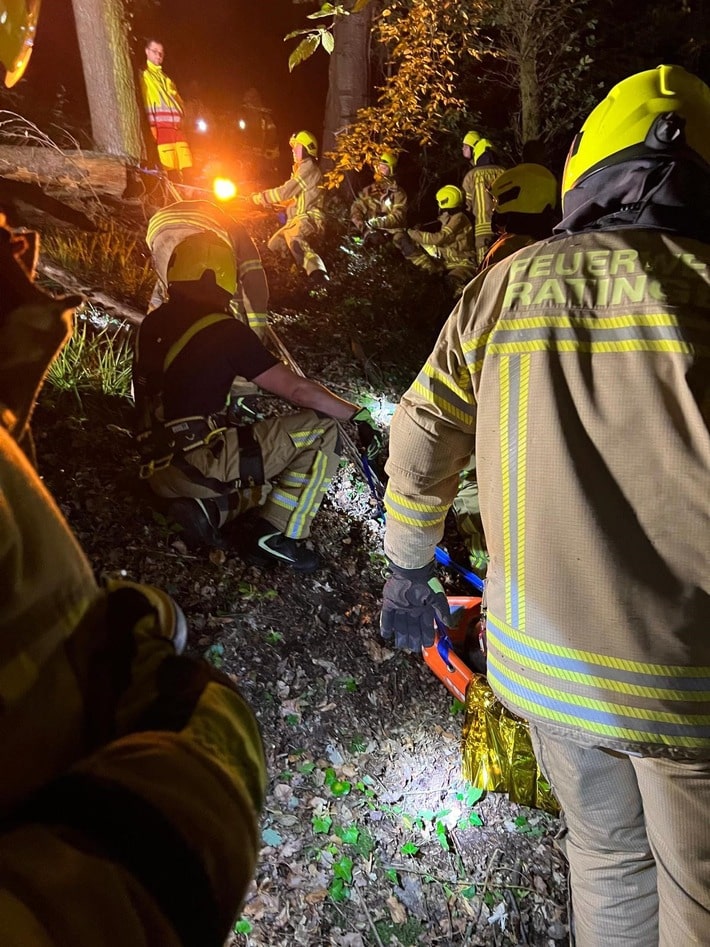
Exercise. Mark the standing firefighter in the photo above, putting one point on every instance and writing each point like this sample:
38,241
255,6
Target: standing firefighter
188,352
165,112
485,168
198,226
380,209
579,369
303,197
450,249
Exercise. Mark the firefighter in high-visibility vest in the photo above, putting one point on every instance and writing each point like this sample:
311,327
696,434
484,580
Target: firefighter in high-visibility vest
165,112
302,196
450,249
131,774
195,455
578,369
379,212
485,168
199,224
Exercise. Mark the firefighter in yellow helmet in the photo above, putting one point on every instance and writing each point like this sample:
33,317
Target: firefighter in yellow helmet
379,211
525,199
579,370
18,25
302,196
207,467
203,221
450,249
485,168
101,716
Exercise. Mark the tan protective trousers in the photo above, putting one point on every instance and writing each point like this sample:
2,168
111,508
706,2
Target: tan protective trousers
297,234
638,843
300,458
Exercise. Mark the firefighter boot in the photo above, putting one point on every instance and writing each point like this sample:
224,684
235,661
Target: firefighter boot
268,546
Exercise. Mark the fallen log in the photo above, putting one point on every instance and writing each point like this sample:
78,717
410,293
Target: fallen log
105,174
112,306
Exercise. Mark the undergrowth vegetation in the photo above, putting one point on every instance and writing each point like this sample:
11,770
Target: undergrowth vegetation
94,360
112,257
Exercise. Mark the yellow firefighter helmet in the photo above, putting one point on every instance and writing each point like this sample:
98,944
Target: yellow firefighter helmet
449,197
662,111
524,189
388,158
470,138
18,23
197,254
481,147
309,142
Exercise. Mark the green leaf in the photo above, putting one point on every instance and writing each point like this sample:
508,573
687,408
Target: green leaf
341,787
392,876
442,836
303,51
306,768
349,834
473,795
343,868
328,41
469,892
243,926
409,848
321,824
338,890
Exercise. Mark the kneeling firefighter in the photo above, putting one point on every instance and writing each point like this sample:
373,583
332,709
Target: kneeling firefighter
188,352
449,250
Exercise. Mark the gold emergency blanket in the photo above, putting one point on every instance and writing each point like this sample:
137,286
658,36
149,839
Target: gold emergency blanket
497,754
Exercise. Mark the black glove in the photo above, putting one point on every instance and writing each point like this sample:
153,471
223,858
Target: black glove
368,433
411,601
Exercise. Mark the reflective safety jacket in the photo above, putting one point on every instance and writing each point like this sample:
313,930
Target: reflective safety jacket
302,194
453,244
506,244
174,223
129,795
384,201
163,104
579,371
479,200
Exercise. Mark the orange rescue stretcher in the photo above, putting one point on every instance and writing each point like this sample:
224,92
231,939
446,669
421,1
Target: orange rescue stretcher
497,753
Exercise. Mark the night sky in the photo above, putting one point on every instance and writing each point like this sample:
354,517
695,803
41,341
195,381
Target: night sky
228,46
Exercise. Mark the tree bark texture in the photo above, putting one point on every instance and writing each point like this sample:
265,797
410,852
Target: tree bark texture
109,77
348,73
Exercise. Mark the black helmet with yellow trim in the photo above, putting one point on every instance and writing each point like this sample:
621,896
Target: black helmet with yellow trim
449,197
18,23
524,189
662,112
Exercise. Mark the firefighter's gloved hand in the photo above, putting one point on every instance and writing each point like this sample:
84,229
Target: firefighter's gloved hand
258,199
412,600
368,433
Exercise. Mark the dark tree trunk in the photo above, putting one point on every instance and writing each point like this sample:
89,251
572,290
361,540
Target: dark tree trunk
109,77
